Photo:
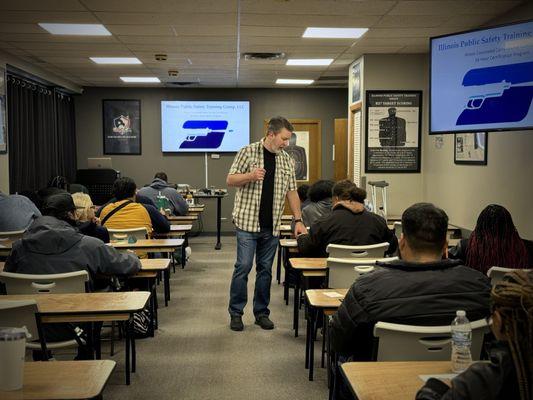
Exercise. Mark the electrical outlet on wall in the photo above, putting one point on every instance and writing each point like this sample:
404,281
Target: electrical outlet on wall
215,156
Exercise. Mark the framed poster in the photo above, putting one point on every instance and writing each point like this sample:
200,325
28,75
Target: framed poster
470,148
355,81
3,105
393,130
122,126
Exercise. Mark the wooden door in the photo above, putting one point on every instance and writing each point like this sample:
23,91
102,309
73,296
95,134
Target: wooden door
340,154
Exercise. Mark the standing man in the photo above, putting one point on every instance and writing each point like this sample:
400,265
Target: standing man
264,175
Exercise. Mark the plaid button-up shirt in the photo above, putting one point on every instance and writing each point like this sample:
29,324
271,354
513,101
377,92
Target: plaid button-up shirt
248,197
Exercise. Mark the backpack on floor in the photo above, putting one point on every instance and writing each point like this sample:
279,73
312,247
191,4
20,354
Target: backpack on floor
141,324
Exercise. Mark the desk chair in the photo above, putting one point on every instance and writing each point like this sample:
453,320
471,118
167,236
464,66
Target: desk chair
68,282
422,343
496,274
343,272
21,313
367,251
398,229
138,233
13,235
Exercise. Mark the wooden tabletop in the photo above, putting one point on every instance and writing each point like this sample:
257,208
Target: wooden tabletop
318,297
390,380
180,228
308,263
148,244
190,218
288,243
62,380
85,303
154,264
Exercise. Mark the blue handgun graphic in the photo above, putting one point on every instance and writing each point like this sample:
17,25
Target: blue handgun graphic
204,134
497,94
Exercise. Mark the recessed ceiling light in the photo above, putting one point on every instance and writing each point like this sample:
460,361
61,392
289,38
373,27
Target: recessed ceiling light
140,79
309,61
76,29
115,60
280,81
334,33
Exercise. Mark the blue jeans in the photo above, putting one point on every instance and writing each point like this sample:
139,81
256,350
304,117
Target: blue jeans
263,245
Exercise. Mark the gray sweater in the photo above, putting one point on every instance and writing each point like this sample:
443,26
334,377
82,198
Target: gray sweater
179,205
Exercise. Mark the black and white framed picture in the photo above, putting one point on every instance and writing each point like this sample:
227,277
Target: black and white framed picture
393,130
3,105
122,126
470,148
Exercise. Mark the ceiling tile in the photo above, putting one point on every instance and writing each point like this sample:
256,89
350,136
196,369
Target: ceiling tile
50,5
187,6
33,17
303,21
412,21
320,7
168,18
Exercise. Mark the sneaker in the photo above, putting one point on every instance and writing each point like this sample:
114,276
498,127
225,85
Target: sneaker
236,323
264,322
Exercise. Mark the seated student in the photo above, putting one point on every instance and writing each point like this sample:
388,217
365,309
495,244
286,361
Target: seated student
159,185
509,375
125,213
62,183
88,223
494,242
348,223
160,222
52,245
318,202
16,212
419,289
302,195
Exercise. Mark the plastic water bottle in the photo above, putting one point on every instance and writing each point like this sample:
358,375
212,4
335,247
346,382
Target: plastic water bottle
461,341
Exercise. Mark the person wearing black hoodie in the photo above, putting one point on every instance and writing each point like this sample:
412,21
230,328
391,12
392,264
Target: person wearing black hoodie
53,245
158,186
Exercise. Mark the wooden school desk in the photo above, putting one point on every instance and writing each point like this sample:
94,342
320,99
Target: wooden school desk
397,380
318,300
89,307
62,380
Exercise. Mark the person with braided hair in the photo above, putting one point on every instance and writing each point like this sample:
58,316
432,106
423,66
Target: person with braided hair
494,242
509,375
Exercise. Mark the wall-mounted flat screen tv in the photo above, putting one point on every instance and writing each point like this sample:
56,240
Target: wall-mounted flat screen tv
204,126
482,80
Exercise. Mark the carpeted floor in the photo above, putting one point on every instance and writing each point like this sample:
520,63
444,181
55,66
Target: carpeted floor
195,355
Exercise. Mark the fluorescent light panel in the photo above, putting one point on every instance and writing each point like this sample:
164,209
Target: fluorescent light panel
76,29
334,33
115,60
140,79
309,61
280,81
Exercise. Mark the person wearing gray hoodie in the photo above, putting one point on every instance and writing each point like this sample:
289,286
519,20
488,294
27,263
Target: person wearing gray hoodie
178,204
53,245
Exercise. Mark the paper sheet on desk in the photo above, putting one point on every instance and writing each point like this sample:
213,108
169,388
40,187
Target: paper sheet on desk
424,378
334,295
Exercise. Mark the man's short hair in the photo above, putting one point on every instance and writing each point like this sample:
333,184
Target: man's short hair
302,192
161,175
276,124
320,190
124,188
424,227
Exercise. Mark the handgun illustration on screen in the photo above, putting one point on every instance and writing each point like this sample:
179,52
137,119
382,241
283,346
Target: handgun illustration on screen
497,94
203,134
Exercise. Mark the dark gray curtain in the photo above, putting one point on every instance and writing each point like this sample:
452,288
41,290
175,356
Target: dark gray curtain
41,135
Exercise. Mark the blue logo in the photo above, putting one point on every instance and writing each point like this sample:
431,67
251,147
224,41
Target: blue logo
497,94
204,134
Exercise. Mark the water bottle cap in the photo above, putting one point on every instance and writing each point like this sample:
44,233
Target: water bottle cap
461,313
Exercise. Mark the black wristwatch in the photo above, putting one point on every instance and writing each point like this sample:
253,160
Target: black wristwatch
297,220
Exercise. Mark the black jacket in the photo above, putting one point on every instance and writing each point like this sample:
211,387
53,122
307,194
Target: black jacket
344,226
406,293
488,381
52,246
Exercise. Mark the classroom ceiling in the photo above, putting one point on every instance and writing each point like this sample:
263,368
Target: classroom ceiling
204,39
